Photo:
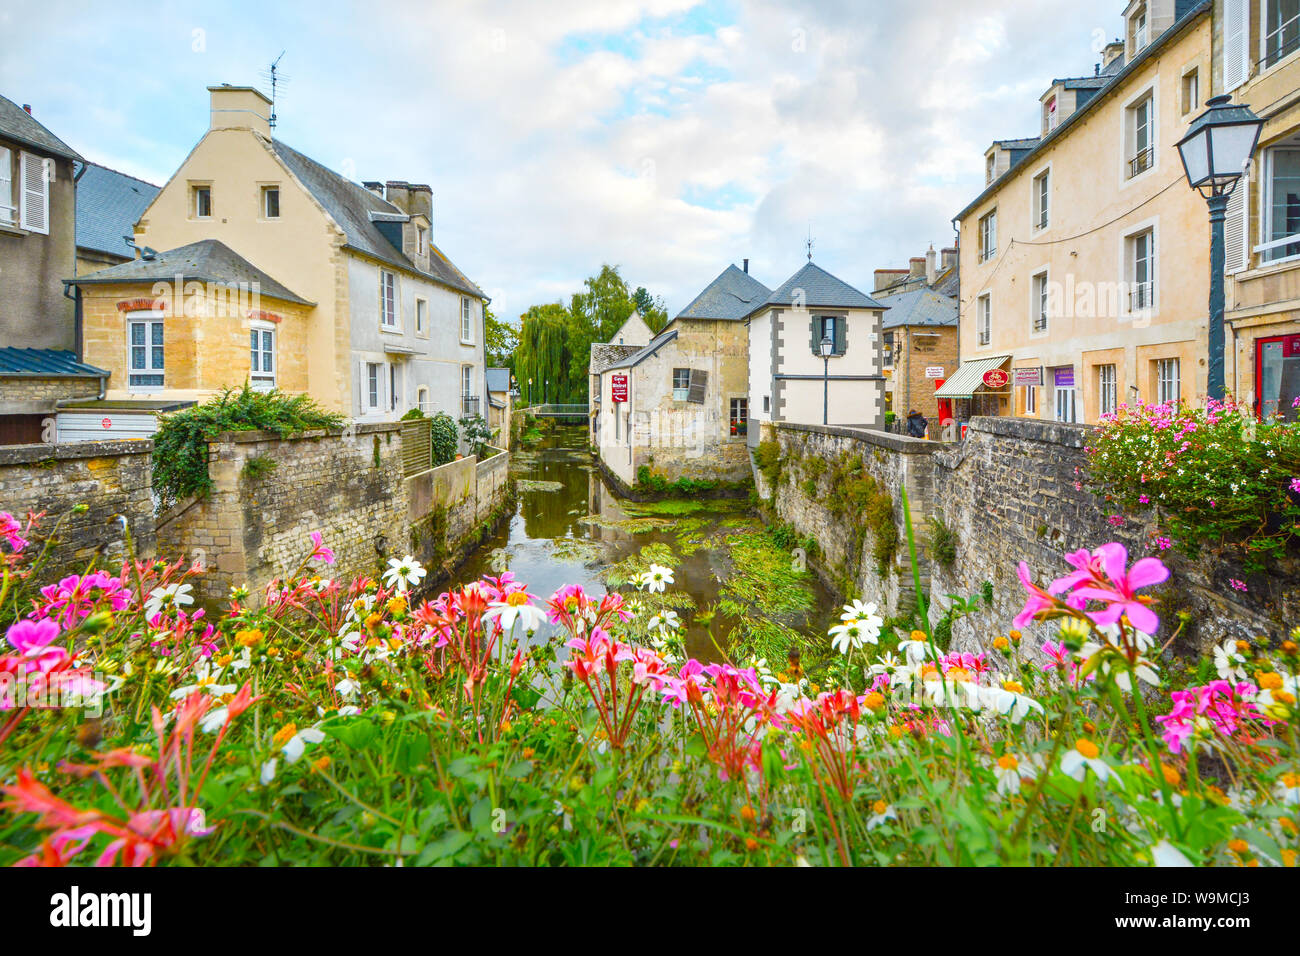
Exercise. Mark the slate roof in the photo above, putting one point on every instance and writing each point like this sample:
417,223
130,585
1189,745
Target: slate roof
109,204
350,204
498,380
19,125
641,354
820,290
46,363
1185,13
605,354
1028,142
732,295
205,261
920,307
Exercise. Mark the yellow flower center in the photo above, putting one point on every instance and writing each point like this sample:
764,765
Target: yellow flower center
1269,681
1008,762
959,674
874,701
1014,686
283,735
880,806
249,638
1238,846
516,598
1284,697
919,636
1290,780
1087,748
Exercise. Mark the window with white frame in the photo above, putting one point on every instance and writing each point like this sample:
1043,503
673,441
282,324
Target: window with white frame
681,384
1042,189
421,316
270,202
1281,207
1191,89
1050,115
261,348
1140,122
990,165
394,386
1141,270
1138,25
145,366
1031,400
984,319
422,399
7,207
1168,385
466,326
1039,302
34,174
201,198
387,299
988,235
372,384
1281,30
1107,390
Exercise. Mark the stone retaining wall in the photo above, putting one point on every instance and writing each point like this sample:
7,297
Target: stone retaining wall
1008,491
113,479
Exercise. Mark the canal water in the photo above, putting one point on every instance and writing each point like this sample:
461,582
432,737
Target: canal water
734,588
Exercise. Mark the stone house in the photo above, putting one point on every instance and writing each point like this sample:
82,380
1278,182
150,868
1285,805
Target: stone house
680,404
1084,275
39,362
632,336
1258,45
391,323
788,379
500,396
920,333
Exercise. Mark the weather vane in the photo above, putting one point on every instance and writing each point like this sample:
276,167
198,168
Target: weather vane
809,242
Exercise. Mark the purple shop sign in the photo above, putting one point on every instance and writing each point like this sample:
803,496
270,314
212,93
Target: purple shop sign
1063,377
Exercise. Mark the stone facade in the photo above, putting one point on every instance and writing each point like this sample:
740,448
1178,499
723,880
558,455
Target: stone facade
1008,493
34,395
111,478
916,348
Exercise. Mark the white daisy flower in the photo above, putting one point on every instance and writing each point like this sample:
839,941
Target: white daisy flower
404,572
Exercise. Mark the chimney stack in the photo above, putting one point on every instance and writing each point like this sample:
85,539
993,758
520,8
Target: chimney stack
398,192
746,267
240,107
917,267
1112,50
375,187
887,277
948,259
420,199
930,272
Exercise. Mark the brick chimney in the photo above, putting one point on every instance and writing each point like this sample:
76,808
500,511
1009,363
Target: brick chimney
887,277
240,107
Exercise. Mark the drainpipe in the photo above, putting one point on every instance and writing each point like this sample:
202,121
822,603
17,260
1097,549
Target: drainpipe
76,317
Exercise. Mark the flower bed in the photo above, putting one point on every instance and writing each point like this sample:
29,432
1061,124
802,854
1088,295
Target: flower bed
1211,479
330,722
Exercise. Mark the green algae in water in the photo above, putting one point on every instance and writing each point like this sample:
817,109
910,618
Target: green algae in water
628,525
766,577
577,549
529,484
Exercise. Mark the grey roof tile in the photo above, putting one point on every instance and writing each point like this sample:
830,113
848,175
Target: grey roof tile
498,380
919,307
208,260
351,205
109,204
641,354
820,290
605,354
732,295
19,125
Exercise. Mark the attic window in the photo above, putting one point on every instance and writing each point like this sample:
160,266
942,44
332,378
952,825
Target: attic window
421,240
270,202
1139,28
202,202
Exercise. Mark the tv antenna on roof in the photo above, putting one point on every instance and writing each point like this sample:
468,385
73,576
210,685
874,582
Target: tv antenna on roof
277,79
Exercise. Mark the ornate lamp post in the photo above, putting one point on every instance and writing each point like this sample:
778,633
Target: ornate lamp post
1215,150
827,347
530,393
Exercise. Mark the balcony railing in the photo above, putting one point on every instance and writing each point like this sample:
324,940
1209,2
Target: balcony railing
470,405
1141,162
1141,296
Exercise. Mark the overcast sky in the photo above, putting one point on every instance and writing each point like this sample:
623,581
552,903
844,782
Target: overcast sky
669,137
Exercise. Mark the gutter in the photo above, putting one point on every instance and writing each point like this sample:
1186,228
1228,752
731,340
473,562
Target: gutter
1174,31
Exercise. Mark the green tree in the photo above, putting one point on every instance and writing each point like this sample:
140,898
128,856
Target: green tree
545,354
502,340
651,308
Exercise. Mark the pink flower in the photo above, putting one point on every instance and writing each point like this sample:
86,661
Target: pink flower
319,551
1144,499
1163,543
11,531
1237,585
1295,485
1102,576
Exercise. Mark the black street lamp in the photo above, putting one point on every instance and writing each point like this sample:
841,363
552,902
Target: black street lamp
827,347
1215,150
530,393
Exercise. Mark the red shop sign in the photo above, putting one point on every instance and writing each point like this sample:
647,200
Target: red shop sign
996,378
618,388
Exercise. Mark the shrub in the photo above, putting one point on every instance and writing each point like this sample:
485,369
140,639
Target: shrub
1212,478
180,459
444,437
943,542
478,435
767,456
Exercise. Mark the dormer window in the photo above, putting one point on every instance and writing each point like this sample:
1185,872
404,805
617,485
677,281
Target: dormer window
1139,28
1049,115
421,240
990,164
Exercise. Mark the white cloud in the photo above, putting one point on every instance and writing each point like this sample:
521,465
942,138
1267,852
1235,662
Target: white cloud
557,136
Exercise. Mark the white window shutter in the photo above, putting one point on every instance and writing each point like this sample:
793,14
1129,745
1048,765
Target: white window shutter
1236,43
6,186
35,194
1236,229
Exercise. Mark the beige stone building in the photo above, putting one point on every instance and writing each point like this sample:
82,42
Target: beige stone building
390,323
920,334
680,405
1257,61
789,381
1085,260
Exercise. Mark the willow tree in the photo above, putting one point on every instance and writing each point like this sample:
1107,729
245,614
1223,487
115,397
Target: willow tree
545,354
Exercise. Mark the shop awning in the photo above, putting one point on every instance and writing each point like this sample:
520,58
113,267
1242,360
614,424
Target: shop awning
969,377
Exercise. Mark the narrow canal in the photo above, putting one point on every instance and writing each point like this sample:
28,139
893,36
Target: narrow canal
735,588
